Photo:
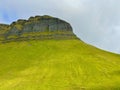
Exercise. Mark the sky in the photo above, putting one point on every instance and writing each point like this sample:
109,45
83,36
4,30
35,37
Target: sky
96,22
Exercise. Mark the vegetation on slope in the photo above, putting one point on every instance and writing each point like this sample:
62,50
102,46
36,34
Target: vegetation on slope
57,65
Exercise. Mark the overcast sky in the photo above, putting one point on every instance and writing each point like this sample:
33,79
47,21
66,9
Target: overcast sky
96,22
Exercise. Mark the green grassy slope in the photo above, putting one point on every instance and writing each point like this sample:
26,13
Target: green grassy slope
57,65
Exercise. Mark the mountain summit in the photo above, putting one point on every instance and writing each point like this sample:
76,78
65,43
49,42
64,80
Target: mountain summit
38,27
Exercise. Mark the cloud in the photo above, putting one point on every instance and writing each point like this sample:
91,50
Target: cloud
95,21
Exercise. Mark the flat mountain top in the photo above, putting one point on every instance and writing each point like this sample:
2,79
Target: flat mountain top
38,27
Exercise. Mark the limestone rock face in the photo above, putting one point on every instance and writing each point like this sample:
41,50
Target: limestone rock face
38,27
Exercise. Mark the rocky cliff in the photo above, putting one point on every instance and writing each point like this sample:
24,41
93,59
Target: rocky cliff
38,27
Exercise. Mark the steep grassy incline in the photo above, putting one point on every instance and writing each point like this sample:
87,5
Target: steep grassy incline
57,65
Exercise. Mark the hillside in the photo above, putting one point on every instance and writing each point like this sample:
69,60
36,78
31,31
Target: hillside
65,63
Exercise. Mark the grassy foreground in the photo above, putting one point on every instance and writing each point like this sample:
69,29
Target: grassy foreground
57,65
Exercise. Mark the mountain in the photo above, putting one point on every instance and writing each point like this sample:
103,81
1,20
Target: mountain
61,62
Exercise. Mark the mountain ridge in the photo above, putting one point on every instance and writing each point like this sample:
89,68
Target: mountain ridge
38,27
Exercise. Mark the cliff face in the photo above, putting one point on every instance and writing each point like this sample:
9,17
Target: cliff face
38,27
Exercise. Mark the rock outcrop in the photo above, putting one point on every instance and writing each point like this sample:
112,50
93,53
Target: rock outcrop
38,27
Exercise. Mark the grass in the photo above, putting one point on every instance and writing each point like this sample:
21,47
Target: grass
57,65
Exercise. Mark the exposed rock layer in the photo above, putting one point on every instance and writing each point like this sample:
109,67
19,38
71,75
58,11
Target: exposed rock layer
38,27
